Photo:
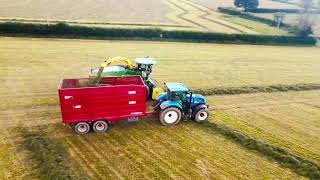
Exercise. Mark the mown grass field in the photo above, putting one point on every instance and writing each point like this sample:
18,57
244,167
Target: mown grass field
146,11
290,120
254,25
30,71
293,19
44,62
229,3
147,150
164,14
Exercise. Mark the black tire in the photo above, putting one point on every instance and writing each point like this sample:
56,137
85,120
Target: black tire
147,93
100,126
82,128
201,115
170,116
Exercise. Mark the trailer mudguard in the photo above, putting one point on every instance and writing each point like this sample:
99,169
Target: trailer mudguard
169,103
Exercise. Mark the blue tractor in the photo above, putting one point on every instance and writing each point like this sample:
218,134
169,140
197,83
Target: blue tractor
178,102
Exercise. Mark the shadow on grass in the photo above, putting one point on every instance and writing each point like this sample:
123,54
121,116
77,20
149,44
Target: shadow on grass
49,155
297,164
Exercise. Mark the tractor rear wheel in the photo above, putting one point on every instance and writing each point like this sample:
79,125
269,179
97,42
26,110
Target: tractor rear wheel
82,128
170,116
100,126
201,115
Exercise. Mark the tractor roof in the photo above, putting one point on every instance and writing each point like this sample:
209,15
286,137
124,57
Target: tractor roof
177,87
145,60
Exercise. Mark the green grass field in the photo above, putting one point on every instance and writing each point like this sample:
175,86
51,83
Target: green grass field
31,69
254,25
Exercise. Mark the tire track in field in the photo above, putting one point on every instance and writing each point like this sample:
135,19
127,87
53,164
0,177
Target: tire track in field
82,161
112,145
290,128
175,135
206,16
128,155
80,148
183,13
125,154
183,151
206,147
298,164
248,105
147,158
100,155
208,13
196,138
162,159
273,118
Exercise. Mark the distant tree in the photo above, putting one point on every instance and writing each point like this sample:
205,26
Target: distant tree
247,4
305,21
278,18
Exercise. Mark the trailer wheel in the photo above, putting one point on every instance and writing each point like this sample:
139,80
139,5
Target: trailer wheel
100,126
82,128
201,115
170,116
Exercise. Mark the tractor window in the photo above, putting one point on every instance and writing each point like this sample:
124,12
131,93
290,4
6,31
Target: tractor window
170,95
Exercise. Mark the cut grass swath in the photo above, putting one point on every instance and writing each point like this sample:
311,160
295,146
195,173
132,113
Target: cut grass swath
297,164
289,120
257,89
49,156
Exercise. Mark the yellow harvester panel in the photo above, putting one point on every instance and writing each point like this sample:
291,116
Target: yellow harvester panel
156,92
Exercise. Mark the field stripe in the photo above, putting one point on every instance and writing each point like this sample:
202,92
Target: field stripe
184,13
82,160
298,164
209,16
160,160
96,156
194,140
101,155
257,89
202,17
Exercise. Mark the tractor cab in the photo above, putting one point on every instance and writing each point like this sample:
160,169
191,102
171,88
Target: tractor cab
181,102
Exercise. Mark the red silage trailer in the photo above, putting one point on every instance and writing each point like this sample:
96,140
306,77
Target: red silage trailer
116,98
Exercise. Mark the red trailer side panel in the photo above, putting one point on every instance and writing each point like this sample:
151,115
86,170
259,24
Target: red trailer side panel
118,97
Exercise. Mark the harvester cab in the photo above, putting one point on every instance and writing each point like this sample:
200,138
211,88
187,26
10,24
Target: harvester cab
144,67
141,66
178,102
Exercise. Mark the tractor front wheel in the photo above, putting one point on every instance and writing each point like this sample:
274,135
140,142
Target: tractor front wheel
82,128
170,116
202,115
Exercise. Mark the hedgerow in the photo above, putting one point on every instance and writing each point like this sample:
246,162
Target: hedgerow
65,30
